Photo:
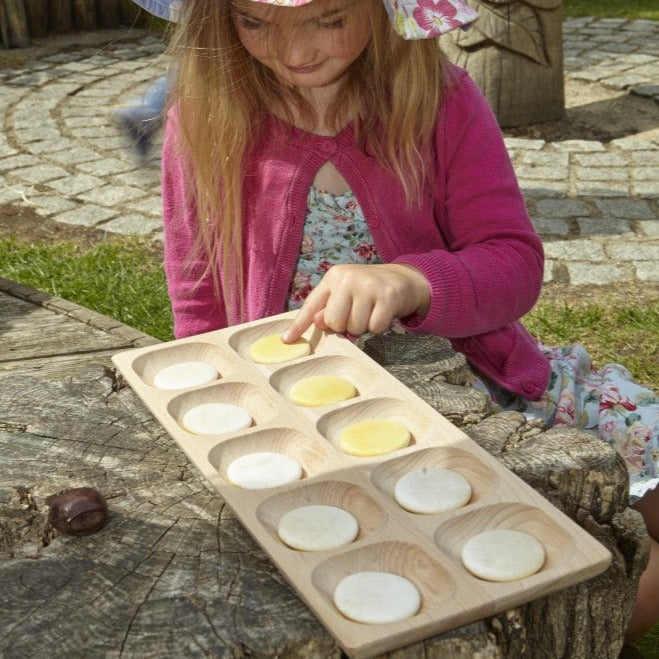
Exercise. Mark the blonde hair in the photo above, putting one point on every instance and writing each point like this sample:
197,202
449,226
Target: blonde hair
391,94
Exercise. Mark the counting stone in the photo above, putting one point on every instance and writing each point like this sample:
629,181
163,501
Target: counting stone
257,471
373,437
432,490
320,390
317,527
185,375
216,419
271,349
503,555
376,598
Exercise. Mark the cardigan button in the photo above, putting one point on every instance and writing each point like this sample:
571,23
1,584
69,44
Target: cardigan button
328,145
528,386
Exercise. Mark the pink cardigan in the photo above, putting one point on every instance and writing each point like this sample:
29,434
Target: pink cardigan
471,236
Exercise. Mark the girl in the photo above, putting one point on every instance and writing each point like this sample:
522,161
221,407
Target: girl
323,155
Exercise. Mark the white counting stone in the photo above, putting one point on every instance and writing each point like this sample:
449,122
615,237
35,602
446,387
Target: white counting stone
432,490
503,555
185,375
257,471
377,598
317,528
216,419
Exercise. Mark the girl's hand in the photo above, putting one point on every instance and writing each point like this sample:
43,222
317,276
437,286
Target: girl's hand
362,298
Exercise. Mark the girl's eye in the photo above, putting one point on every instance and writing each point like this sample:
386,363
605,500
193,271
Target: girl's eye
333,25
250,23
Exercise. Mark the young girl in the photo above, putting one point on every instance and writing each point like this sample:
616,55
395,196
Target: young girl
323,155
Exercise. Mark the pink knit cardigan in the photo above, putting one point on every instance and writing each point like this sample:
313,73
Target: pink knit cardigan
470,236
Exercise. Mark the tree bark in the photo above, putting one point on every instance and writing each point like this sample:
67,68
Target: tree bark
16,21
514,52
37,17
61,16
84,14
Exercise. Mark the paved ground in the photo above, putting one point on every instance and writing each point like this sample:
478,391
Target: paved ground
595,203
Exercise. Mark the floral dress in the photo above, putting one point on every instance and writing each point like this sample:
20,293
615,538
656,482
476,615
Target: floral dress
606,402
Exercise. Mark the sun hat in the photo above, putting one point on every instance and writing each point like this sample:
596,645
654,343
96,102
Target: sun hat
412,19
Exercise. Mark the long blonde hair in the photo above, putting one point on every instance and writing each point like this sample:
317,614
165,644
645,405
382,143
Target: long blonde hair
390,94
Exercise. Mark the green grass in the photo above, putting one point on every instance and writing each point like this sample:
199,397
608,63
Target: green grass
121,278
647,9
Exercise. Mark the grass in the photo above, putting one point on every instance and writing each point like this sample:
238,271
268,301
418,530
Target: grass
123,278
120,278
645,9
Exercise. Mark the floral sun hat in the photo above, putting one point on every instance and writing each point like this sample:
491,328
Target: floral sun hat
412,19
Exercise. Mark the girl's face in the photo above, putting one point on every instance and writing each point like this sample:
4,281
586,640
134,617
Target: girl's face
306,47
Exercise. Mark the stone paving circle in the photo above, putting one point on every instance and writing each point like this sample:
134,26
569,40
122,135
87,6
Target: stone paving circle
595,204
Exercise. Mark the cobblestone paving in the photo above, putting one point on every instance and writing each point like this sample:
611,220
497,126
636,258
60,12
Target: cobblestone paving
596,204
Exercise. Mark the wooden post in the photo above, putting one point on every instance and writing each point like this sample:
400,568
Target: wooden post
61,16
84,14
16,21
37,17
109,14
129,12
514,53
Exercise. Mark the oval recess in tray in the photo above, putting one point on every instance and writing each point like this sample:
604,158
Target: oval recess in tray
332,424
452,535
243,395
405,559
345,495
358,374
309,452
481,478
243,339
149,364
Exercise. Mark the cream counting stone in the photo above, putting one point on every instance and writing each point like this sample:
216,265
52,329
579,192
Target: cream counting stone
317,528
185,375
271,349
319,390
263,469
377,598
216,419
432,490
503,555
373,437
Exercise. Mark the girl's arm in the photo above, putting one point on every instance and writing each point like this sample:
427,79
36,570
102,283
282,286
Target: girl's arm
195,305
491,274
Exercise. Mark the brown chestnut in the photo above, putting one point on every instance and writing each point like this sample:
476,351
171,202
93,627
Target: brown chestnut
78,511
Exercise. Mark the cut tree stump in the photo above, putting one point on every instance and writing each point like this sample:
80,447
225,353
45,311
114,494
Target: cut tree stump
174,573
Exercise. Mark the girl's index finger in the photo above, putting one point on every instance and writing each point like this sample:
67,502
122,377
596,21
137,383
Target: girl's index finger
304,319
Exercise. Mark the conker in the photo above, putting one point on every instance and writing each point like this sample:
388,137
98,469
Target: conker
78,511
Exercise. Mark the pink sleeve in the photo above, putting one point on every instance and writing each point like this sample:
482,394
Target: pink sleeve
195,306
491,274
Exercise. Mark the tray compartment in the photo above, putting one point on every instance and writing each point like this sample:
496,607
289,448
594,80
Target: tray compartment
243,394
148,364
310,452
370,516
359,375
406,559
451,535
482,479
331,424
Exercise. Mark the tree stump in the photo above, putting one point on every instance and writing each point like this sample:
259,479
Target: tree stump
514,53
84,14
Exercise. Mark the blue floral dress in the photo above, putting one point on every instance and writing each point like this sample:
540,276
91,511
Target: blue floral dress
606,402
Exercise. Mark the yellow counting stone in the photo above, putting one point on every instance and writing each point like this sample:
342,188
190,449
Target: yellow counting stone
374,437
271,349
320,390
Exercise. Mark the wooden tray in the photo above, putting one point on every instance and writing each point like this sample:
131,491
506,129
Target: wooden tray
424,548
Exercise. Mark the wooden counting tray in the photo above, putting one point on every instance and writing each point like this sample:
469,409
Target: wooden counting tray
424,548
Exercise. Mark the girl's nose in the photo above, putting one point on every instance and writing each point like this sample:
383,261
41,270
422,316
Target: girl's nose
298,49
